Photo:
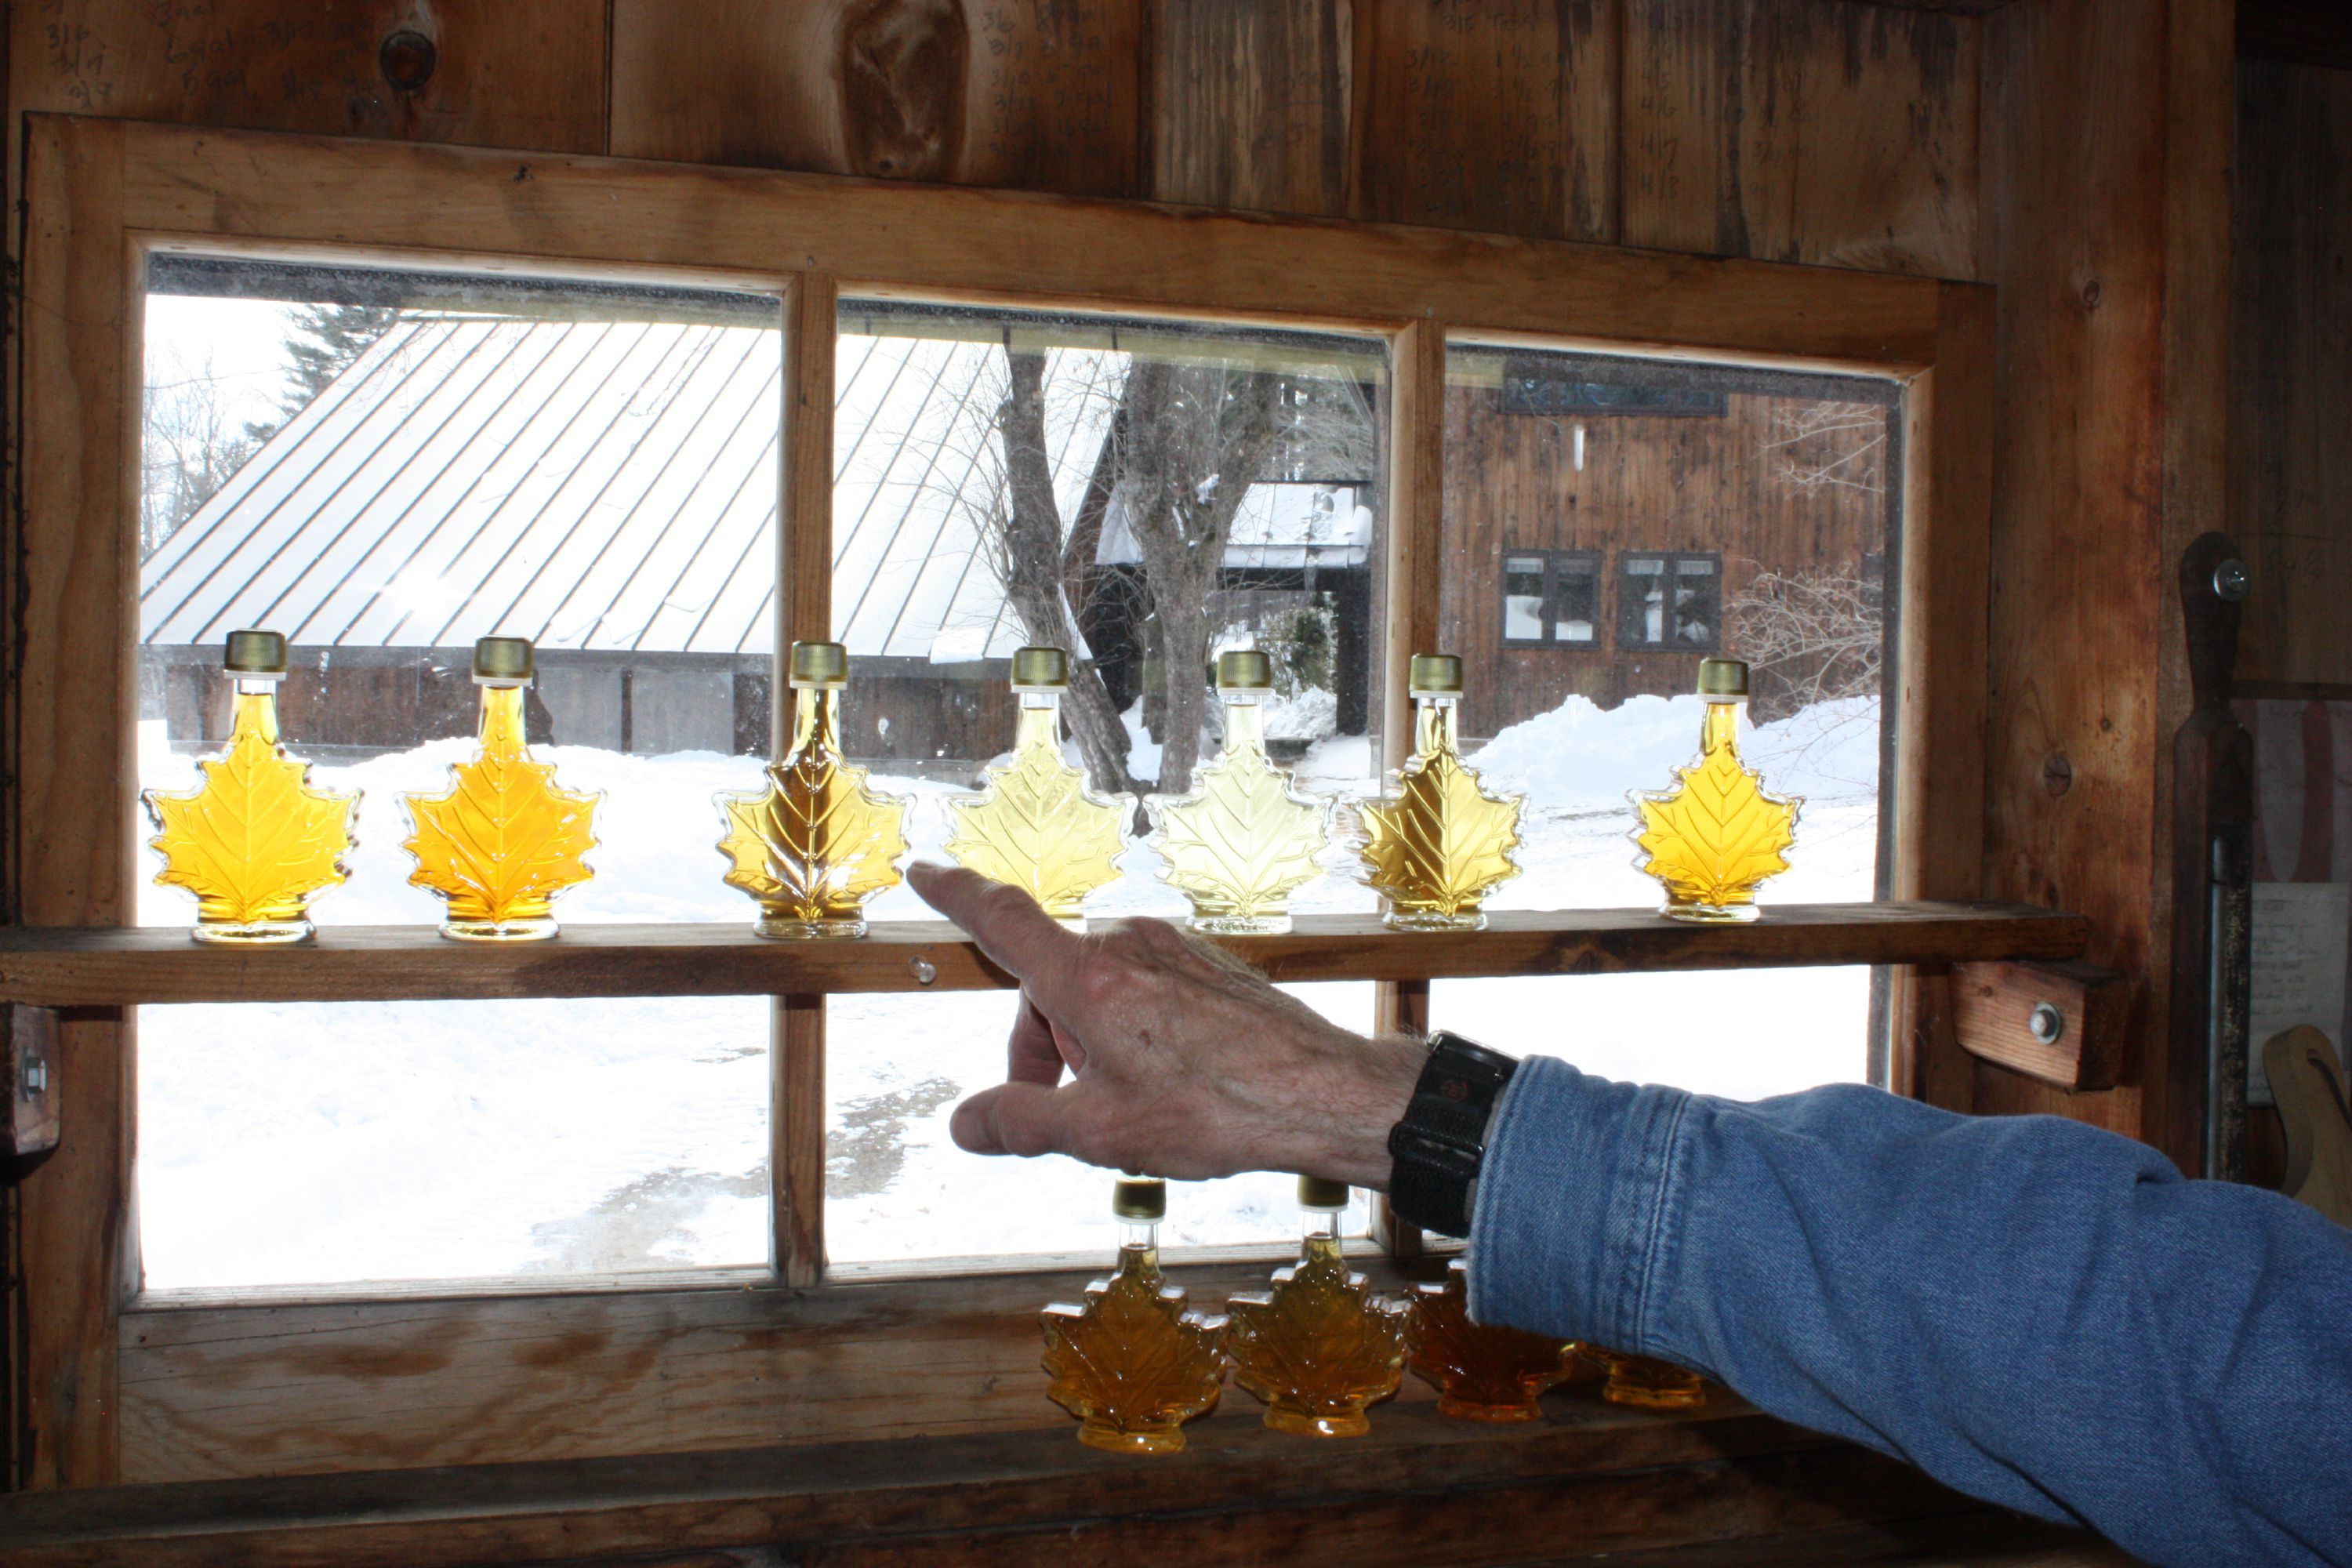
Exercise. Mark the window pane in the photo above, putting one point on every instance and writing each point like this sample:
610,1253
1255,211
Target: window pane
384,466
1523,598
1710,508
1005,477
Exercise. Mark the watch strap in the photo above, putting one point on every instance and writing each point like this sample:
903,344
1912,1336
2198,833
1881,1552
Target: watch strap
1438,1146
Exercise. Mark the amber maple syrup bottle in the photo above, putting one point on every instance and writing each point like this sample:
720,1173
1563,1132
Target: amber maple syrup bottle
256,841
1437,846
1481,1372
502,841
1036,824
1245,840
817,841
1319,1346
1130,1361
1646,1381
1714,837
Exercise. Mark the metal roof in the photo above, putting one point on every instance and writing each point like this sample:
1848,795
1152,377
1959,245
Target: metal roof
612,485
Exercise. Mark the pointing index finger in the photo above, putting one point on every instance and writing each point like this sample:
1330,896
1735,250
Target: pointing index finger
1006,922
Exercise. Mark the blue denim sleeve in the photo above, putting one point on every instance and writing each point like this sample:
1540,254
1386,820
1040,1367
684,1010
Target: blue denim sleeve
2034,1312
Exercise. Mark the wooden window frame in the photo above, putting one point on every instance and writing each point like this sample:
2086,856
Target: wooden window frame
1672,561
132,1389
1552,562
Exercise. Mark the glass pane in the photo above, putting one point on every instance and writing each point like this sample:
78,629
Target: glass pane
1004,477
384,466
1523,598
1718,508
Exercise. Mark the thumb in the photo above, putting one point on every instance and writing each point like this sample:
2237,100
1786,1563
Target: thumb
1022,1118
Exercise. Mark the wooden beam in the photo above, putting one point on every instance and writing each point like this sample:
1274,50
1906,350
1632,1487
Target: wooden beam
63,966
2060,1023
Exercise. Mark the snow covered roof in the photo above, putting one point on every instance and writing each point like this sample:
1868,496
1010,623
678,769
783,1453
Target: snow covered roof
612,485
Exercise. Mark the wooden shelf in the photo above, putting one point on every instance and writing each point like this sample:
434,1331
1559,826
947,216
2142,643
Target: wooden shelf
66,967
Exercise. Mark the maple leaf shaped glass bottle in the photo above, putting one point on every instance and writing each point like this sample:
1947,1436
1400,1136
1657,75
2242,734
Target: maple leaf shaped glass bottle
817,842
1481,1372
1714,837
255,842
502,841
1319,1346
1441,844
1036,824
1130,1361
1245,840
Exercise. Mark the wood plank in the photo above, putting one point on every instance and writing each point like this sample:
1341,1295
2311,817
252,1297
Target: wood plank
1721,1466
1498,115
1993,1016
1803,130
1251,104
87,966
796,1117
985,92
955,243
72,765
505,73
2299,32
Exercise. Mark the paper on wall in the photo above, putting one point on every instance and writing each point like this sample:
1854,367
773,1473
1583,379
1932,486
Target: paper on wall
2300,941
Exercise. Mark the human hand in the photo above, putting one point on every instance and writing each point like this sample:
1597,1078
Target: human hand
1184,1061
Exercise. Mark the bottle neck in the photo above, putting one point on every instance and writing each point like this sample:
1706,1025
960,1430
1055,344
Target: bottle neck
1319,1231
1245,721
502,719
816,719
1041,721
256,710
1433,725
1139,1248
1721,732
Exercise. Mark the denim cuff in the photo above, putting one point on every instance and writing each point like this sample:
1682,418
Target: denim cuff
1574,1209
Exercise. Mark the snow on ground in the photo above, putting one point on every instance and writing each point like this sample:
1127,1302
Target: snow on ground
465,1139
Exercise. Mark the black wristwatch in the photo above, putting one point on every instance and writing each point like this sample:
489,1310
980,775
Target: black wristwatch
1441,1141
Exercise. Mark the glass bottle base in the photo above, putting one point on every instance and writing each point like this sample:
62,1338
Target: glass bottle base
1120,1440
538,929
1240,925
1306,1424
1653,1385
1493,1415
252,933
1709,914
777,928
1431,920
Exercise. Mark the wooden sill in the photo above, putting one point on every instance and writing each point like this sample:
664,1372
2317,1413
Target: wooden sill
83,966
1590,1479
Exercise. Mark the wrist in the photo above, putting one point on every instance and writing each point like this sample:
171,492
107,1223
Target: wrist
1375,1085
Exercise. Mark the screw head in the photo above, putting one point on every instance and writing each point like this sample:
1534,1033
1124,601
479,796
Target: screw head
2231,581
923,970
2045,1023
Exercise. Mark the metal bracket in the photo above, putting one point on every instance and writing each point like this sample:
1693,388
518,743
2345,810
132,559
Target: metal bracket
28,1073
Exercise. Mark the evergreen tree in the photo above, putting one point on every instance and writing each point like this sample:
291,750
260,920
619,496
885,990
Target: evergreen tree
324,340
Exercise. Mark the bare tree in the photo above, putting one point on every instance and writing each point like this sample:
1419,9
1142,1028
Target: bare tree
192,442
1829,446
1809,636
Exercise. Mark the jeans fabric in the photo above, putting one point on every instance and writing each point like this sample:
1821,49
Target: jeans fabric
2034,1312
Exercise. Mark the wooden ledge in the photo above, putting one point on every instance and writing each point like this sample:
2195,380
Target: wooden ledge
1421,1488
82,966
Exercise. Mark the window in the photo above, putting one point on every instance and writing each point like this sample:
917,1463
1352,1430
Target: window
1552,598
1670,601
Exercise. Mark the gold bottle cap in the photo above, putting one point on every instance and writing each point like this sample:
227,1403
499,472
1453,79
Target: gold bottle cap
1320,1193
1245,670
1435,672
1040,666
1139,1197
255,653
508,659
1722,678
819,664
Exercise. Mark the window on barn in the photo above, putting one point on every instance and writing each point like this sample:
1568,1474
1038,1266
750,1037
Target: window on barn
384,466
1551,599
1147,494
1651,513
1670,601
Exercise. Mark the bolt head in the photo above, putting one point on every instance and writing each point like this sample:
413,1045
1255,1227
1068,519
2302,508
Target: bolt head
2231,581
2045,1023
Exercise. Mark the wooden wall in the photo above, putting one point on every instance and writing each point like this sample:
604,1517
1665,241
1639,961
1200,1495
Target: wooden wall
2289,501
1653,482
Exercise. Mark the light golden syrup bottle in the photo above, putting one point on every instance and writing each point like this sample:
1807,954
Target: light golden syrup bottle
1481,1372
1647,1382
817,842
1036,825
1245,840
1436,848
255,842
1319,1346
502,841
1130,1361
1715,837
